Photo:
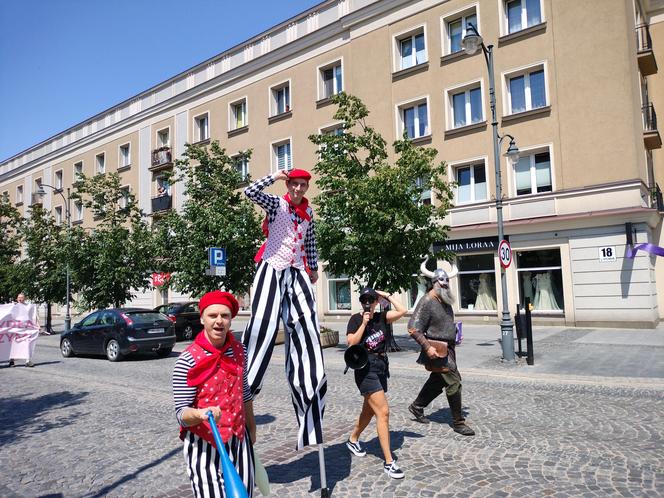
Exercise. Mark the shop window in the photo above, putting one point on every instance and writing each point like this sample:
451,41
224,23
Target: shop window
540,279
417,290
339,293
477,282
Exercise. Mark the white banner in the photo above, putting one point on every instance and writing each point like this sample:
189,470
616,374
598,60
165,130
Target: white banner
19,330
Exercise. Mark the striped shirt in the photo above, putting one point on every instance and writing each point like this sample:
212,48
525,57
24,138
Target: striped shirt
184,395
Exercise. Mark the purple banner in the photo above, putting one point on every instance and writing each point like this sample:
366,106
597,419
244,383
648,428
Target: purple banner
649,248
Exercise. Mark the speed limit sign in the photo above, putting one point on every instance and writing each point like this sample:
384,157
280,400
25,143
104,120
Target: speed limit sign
505,253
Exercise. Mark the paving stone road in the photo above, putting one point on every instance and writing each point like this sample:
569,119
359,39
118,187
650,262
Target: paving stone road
85,427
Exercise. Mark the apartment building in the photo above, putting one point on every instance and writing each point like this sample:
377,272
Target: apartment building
577,85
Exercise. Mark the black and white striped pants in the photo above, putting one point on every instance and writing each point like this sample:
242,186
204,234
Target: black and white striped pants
287,294
204,465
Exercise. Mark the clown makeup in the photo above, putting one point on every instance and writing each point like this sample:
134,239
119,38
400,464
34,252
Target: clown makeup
216,321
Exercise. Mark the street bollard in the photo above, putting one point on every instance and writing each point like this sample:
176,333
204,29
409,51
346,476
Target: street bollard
530,356
520,323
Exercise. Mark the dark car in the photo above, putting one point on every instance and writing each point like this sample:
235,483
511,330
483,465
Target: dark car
185,316
118,332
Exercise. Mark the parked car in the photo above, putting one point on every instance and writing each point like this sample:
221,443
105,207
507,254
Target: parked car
185,316
118,332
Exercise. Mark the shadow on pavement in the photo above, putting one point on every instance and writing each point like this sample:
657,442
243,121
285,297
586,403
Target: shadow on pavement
26,419
106,489
264,419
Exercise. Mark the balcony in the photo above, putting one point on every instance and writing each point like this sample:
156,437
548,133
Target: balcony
161,204
657,200
37,200
644,52
651,137
161,159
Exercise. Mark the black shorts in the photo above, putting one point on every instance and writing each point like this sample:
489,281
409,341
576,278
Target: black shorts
373,377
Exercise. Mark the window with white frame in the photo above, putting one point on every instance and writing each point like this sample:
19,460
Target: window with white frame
532,173
526,90
425,197
280,99
241,164
125,155
58,179
238,115
466,106
339,293
163,186
477,282
100,161
78,211
19,194
414,119
78,169
124,200
201,127
456,27
38,187
541,279
331,80
337,129
521,14
163,138
58,215
471,183
283,159
411,49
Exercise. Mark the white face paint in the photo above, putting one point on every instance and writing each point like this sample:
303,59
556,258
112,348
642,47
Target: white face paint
442,278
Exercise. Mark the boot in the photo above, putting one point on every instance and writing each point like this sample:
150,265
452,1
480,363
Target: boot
459,422
418,413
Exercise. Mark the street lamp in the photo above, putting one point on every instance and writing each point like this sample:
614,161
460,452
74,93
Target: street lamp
470,44
41,192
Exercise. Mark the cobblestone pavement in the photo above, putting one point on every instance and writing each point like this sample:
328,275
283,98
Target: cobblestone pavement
84,427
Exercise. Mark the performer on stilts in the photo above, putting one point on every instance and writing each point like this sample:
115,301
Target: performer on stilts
282,288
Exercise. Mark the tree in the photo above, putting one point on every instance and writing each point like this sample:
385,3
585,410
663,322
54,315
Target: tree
11,282
115,259
215,214
43,269
372,224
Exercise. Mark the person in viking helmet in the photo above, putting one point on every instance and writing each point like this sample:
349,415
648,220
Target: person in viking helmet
432,326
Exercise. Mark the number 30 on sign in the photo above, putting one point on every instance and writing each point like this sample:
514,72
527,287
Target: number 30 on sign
505,253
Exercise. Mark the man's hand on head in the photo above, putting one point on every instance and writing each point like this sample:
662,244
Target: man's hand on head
280,175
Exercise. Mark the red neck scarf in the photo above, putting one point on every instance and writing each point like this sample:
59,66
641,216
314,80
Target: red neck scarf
208,365
300,209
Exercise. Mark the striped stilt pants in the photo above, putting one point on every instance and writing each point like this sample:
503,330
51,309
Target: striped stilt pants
287,294
204,465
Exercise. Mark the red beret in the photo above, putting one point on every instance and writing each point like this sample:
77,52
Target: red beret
299,173
219,297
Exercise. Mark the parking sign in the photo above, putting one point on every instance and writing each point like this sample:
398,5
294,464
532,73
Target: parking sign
217,256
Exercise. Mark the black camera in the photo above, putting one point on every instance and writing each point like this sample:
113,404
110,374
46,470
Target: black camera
366,306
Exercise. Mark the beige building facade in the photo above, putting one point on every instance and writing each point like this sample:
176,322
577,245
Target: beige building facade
577,85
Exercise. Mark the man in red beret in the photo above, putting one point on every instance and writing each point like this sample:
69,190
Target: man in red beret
210,375
282,288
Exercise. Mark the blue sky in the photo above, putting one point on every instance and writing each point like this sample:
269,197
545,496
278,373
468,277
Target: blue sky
66,60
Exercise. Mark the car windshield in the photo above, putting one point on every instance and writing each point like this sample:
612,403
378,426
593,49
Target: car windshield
145,316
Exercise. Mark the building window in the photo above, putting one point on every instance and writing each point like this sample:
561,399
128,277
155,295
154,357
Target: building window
238,115
425,197
414,120
526,90
280,99
19,194
78,211
477,282
466,106
58,180
339,293
241,164
411,49
38,185
533,174
331,80
456,30
5,196
58,215
521,14
125,156
163,187
100,161
163,138
78,169
201,128
282,156
540,279
124,200
471,183
417,290
337,129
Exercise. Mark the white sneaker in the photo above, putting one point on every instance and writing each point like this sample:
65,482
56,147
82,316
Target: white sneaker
355,448
393,470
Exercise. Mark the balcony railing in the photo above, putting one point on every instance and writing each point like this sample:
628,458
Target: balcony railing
651,137
645,54
161,159
161,203
657,199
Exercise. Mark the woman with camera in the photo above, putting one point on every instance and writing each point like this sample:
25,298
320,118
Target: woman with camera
370,329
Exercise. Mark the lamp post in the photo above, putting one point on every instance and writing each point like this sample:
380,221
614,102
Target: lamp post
41,192
471,43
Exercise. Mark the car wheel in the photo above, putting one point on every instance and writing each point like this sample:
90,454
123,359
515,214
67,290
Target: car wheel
188,333
66,349
163,353
113,350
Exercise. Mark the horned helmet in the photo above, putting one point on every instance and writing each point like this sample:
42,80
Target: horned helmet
439,275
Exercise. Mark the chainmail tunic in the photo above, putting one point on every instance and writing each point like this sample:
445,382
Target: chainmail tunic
434,319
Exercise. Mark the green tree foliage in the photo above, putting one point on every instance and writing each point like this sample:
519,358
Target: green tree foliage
215,214
371,222
114,259
11,282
